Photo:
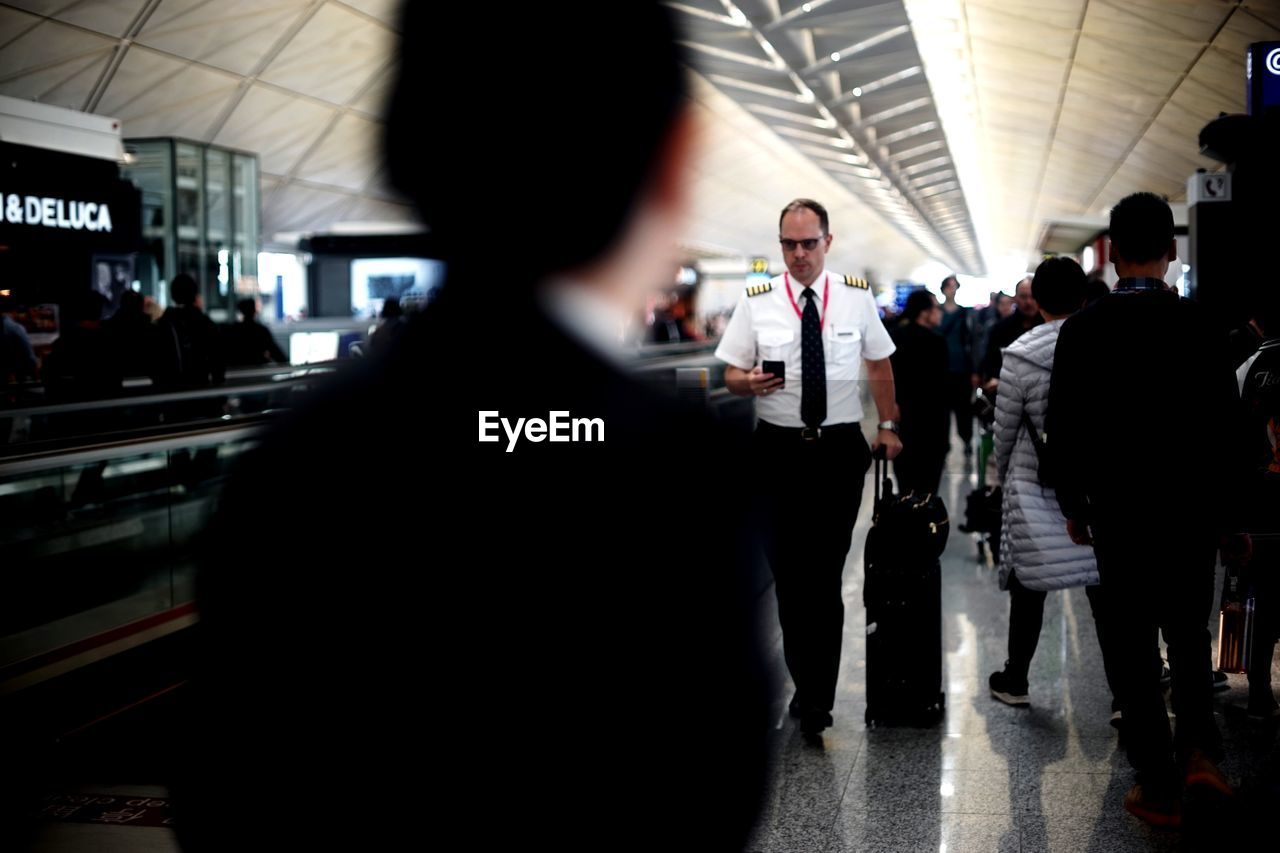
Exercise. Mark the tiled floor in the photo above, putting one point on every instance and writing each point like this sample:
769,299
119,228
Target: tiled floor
989,777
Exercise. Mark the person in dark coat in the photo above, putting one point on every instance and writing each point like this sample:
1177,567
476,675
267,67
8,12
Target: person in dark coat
249,343
1142,424
193,356
920,374
134,339
956,327
530,643
1025,317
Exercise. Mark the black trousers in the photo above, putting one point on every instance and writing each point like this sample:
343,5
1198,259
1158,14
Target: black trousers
1264,569
809,503
1026,616
960,401
1159,578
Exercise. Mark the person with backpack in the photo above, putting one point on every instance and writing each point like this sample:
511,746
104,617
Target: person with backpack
191,351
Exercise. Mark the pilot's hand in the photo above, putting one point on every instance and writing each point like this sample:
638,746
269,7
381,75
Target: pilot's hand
763,384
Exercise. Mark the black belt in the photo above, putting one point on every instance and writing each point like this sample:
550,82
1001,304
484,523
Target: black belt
807,433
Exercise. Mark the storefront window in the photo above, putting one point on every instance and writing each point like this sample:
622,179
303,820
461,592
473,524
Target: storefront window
200,216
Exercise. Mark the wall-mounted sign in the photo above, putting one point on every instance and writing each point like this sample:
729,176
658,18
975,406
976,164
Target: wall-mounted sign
1209,187
1262,76
54,212
58,212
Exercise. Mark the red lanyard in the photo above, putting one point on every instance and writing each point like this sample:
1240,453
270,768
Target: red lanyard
826,292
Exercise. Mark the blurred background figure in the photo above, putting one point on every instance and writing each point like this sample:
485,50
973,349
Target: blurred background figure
17,357
193,356
1006,331
249,343
391,325
956,327
132,337
920,376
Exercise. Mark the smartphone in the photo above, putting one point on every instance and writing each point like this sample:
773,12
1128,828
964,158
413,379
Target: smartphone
777,368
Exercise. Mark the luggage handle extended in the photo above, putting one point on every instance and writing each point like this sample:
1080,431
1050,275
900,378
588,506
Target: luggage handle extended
883,487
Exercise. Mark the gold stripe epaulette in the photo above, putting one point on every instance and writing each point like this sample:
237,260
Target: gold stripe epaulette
860,283
757,289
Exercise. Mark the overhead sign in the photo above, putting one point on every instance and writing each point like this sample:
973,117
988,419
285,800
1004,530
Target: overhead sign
1262,76
1209,187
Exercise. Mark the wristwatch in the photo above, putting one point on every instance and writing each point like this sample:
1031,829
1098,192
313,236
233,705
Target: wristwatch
891,426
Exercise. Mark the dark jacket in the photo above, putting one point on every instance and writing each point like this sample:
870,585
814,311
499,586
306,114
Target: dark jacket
957,329
436,602
192,348
1260,394
1142,414
920,383
1004,333
251,344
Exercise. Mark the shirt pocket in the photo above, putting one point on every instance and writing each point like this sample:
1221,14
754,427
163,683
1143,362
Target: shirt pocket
844,346
774,343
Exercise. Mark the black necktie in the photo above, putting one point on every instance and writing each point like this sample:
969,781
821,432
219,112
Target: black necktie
813,367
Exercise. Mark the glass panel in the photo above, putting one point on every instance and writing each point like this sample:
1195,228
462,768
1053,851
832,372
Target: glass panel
217,273
189,212
151,172
98,545
91,542
245,209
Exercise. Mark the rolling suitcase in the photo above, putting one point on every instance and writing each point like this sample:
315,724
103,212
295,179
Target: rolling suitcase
902,592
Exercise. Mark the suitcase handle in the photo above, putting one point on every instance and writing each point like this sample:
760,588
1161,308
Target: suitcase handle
883,488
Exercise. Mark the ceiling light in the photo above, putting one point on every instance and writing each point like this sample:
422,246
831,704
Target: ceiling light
835,57
857,91
807,7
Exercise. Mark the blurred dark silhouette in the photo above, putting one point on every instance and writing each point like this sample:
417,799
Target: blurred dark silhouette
249,343
193,356
534,645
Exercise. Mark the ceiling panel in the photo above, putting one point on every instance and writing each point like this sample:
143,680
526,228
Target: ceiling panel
333,56
277,127
231,34
110,17
50,62
156,95
347,156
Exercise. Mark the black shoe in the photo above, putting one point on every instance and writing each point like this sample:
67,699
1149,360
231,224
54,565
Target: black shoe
1007,690
796,708
814,721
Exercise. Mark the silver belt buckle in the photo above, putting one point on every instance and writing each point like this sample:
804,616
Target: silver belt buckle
811,433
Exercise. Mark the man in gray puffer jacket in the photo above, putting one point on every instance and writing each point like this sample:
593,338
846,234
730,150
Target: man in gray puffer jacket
1036,554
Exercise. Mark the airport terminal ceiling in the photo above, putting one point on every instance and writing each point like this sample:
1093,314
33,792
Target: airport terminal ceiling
943,130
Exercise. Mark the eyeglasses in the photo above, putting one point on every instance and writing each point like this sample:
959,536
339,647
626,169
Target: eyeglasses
808,245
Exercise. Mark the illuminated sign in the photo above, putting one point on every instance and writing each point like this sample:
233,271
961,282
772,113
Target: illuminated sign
759,265
1262,76
54,212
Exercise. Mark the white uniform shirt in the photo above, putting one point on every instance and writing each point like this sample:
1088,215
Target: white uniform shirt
766,327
